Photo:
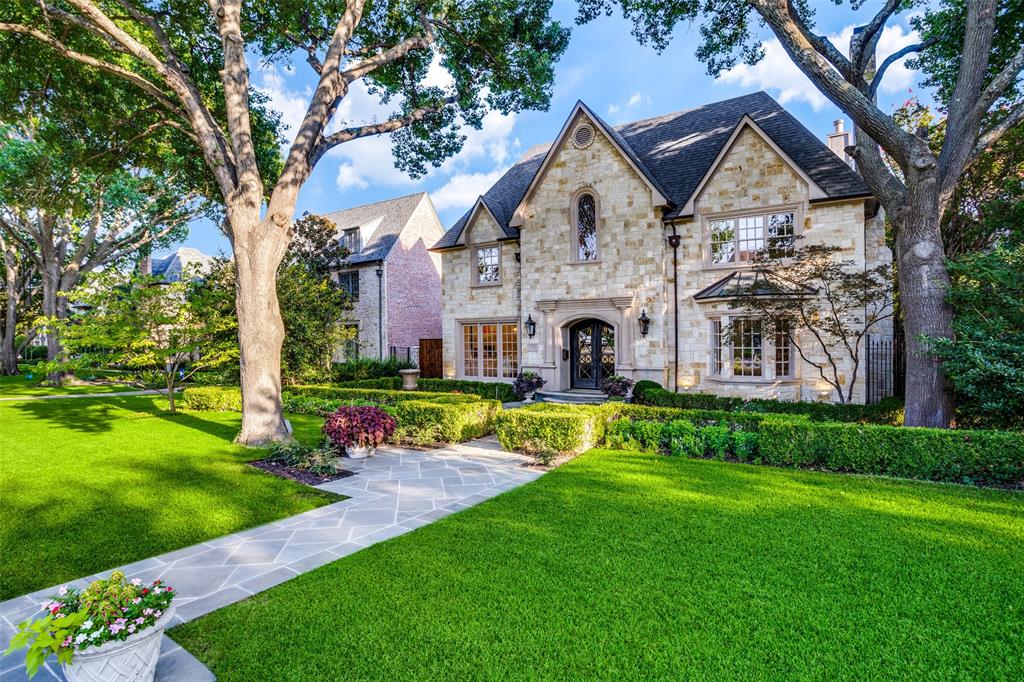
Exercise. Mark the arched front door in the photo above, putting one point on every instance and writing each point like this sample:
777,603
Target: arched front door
591,352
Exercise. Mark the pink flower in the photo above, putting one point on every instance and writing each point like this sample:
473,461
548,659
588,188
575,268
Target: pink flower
136,582
67,642
140,620
136,600
131,629
147,611
157,614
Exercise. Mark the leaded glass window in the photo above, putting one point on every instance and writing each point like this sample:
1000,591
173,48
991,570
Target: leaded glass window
741,239
488,265
586,228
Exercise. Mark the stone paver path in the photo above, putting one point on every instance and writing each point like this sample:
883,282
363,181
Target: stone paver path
392,493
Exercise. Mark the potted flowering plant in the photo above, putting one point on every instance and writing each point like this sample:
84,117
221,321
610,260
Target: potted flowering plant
359,429
616,386
526,384
109,632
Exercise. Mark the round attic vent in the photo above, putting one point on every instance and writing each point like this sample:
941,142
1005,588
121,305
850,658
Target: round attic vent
583,136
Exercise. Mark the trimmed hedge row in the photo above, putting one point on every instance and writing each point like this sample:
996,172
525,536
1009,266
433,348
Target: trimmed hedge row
212,398
438,421
888,411
958,456
492,390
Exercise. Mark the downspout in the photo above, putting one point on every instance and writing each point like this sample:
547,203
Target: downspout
380,308
674,241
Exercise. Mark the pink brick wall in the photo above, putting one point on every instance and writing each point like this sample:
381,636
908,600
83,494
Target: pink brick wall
413,276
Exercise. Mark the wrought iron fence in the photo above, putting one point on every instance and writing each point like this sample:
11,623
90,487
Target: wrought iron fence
885,360
409,353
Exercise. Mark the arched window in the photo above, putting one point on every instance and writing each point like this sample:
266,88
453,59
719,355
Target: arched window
586,227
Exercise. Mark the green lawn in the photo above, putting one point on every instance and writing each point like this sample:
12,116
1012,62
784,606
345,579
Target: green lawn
19,386
628,566
92,483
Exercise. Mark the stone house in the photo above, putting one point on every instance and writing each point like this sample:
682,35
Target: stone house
565,266
391,275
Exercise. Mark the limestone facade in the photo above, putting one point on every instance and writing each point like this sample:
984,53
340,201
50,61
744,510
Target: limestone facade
542,277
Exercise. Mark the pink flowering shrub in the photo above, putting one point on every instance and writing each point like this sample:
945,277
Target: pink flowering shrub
108,610
361,426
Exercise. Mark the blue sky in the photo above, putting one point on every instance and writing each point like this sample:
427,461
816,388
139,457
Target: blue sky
604,66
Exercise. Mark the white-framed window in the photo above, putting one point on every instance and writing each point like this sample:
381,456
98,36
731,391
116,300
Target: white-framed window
586,227
490,350
351,240
739,239
738,349
488,264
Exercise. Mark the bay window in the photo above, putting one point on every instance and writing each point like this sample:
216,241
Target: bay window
738,349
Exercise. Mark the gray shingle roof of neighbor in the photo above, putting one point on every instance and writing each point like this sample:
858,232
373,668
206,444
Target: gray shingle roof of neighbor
170,268
395,213
677,151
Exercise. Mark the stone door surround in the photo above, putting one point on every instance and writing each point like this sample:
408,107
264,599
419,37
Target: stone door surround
560,314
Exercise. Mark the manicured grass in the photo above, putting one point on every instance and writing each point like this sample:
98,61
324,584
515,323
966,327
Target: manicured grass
629,566
19,386
92,483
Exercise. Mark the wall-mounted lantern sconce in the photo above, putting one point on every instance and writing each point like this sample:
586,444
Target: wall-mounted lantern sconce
645,323
531,326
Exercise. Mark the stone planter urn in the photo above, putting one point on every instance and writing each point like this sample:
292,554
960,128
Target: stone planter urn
356,452
130,660
409,377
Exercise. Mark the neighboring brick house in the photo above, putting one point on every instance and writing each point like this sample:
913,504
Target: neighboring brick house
574,241
392,276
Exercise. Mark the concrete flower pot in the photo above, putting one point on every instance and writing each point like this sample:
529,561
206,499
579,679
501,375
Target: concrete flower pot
409,377
130,660
354,452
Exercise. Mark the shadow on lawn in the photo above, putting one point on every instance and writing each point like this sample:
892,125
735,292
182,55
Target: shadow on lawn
138,509
97,415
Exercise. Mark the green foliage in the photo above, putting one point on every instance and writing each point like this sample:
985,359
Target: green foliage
745,446
985,362
546,428
140,324
444,421
641,388
717,441
682,438
363,369
889,411
641,436
494,390
212,399
958,456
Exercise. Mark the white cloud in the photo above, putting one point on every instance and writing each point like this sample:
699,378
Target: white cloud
777,73
462,190
620,111
291,104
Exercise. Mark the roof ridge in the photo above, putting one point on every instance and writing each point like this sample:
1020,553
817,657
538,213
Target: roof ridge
374,203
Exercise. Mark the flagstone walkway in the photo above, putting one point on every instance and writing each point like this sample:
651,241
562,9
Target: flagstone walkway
392,493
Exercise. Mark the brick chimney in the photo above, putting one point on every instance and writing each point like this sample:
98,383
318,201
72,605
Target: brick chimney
838,140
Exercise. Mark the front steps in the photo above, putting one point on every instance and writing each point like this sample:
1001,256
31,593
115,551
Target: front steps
575,396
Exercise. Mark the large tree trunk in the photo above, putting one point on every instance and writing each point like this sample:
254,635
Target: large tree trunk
259,247
923,281
8,352
53,310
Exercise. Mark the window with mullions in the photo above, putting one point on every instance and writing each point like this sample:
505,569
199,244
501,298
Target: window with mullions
351,240
349,281
488,265
490,350
740,239
738,348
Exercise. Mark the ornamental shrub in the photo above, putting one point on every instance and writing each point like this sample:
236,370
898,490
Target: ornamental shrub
546,428
682,439
212,399
358,426
526,383
744,446
641,436
641,388
368,368
490,390
616,386
446,420
716,440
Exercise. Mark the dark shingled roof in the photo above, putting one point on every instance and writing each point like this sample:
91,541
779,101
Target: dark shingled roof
755,283
676,150
395,213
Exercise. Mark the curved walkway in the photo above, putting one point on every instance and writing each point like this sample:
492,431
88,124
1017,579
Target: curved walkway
391,493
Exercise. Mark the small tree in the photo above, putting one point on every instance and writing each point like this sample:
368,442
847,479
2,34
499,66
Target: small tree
143,324
832,302
984,362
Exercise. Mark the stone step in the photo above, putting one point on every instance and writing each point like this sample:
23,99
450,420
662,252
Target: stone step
572,397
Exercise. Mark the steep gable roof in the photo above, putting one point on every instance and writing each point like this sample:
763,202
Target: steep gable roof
392,214
678,149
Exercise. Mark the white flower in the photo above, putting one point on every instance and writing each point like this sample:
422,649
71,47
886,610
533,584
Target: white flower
87,624
136,582
80,638
96,634
63,590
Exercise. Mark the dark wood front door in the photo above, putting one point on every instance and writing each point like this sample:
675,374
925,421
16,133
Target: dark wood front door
592,353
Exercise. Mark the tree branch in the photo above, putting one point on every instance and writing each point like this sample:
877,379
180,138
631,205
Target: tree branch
866,37
895,57
998,85
993,134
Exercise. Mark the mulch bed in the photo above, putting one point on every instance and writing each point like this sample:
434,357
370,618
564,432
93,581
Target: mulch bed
299,475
